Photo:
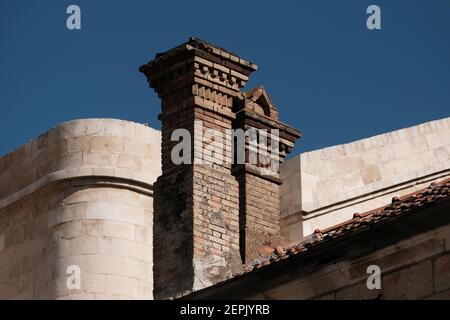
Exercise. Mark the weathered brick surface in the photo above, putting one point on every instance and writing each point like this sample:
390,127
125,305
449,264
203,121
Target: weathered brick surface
258,180
260,215
207,214
196,206
196,213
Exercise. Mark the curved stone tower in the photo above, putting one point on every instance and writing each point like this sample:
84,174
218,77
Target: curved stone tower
76,213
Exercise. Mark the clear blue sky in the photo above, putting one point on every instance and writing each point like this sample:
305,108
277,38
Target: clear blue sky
326,72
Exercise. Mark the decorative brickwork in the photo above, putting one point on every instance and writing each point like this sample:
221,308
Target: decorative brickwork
196,220
259,180
210,215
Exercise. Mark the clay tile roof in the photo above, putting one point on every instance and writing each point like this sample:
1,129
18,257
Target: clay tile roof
398,207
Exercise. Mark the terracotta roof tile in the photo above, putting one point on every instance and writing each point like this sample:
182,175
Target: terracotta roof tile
399,206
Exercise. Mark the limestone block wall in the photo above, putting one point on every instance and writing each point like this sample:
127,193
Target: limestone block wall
327,186
79,195
291,218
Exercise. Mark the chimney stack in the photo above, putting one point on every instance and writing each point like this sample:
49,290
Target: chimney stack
213,211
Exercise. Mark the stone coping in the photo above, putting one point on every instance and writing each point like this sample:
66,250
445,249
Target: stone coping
123,151
126,176
358,169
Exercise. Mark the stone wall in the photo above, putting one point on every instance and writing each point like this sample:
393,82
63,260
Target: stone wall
415,268
327,186
81,195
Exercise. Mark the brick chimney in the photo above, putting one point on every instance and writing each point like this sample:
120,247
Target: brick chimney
259,181
212,214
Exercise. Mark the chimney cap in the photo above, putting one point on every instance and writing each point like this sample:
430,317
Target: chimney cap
204,47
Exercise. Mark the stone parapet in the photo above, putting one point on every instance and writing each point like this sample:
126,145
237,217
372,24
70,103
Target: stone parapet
327,186
79,196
